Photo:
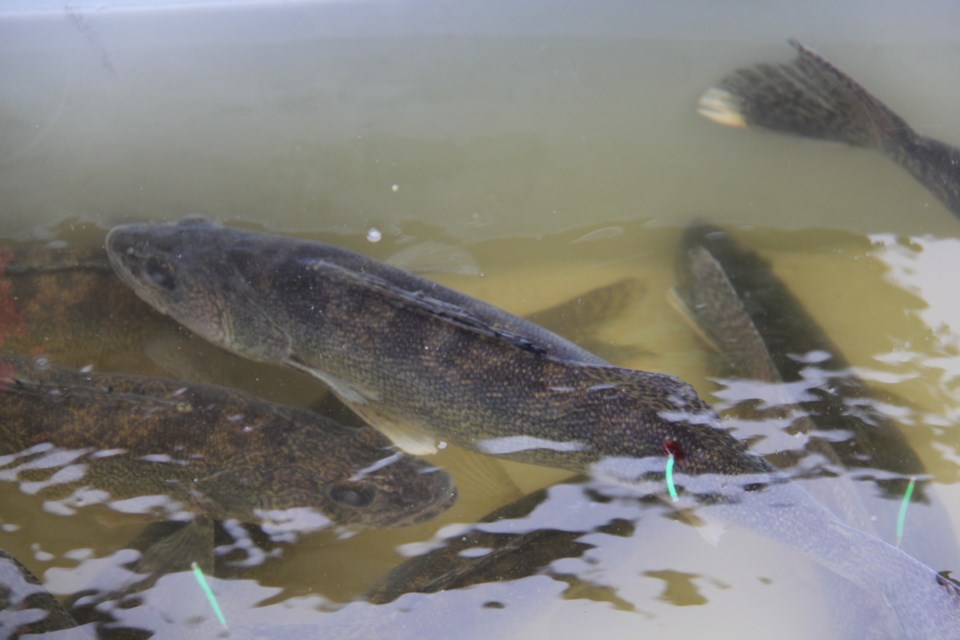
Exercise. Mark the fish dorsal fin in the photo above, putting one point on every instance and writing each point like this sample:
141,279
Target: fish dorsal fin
586,312
439,309
581,318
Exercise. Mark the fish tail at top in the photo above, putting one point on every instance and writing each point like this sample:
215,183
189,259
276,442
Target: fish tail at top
811,98
808,97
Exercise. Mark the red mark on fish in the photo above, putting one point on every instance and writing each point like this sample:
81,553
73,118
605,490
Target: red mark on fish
673,448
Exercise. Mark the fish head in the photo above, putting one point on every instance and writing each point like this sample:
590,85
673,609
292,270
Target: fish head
189,271
396,490
369,483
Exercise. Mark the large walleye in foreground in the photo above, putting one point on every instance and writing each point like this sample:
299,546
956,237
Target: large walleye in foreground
810,97
413,357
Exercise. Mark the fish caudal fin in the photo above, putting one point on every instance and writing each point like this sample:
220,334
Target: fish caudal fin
807,97
810,97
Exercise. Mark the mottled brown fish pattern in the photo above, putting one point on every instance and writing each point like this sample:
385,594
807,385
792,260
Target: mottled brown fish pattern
220,452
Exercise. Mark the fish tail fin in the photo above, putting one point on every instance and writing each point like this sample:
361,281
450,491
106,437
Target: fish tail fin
808,97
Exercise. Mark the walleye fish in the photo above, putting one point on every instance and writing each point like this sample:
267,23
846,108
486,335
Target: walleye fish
762,333
162,447
78,438
411,356
810,97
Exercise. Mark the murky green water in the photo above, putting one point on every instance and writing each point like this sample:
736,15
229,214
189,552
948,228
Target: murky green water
560,148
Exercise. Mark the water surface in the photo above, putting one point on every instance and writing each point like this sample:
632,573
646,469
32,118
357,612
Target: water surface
560,148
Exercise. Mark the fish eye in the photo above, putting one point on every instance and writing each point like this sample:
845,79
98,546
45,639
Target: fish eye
352,495
159,274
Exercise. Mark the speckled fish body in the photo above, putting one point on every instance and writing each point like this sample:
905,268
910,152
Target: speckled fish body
226,454
506,555
411,356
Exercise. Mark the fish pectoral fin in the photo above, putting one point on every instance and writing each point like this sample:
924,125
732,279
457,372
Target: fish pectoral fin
408,437
349,394
169,553
481,475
